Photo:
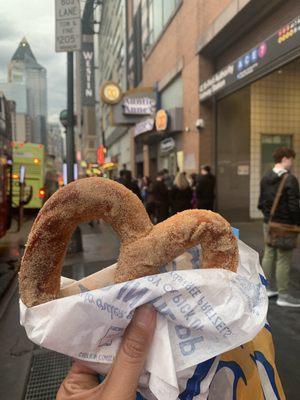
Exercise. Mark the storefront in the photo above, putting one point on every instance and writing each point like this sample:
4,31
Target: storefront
254,109
158,143
127,110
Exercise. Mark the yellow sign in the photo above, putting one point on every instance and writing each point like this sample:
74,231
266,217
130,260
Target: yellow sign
111,93
161,120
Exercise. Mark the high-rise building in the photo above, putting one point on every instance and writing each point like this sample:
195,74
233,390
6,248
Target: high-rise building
17,92
27,86
55,144
113,67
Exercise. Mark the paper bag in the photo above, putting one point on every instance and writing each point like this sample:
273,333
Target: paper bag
202,316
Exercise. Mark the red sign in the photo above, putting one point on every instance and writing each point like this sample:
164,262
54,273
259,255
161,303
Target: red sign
101,151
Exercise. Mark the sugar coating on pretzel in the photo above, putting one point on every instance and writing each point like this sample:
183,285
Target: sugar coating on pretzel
80,201
144,247
172,237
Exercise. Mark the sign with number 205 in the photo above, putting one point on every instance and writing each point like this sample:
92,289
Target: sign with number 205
68,25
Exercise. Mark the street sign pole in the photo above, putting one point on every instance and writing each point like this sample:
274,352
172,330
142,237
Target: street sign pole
68,39
70,128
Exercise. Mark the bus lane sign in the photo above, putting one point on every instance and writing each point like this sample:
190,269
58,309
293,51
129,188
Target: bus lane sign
67,26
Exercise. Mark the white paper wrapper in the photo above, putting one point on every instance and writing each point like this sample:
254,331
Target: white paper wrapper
201,314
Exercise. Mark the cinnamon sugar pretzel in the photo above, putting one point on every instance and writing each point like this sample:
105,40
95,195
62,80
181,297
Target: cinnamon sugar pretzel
144,247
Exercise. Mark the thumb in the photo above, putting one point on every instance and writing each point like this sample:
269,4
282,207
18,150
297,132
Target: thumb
123,378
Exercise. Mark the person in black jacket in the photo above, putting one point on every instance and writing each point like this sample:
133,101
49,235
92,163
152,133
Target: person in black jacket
160,196
205,188
130,183
287,212
181,194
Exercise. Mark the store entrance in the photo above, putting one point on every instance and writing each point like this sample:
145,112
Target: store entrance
251,123
233,155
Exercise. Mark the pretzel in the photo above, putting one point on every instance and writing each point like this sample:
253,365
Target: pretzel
144,247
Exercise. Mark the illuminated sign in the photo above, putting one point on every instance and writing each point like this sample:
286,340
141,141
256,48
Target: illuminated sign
161,120
167,145
143,126
87,74
138,106
274,47
111,93
101,152
136,103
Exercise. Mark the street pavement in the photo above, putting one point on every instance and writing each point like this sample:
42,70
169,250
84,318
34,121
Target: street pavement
101,247
284,321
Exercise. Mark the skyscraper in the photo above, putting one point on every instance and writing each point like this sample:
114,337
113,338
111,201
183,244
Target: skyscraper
24,70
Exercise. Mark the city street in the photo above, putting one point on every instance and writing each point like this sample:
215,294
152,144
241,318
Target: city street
26,369
150,114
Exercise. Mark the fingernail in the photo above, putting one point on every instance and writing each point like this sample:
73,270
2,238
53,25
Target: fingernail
144,315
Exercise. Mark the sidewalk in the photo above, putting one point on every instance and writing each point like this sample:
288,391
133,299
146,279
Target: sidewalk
21,360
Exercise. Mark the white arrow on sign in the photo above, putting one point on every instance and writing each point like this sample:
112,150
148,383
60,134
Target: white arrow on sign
68,25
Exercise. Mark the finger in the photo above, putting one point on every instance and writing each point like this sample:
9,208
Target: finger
79,382
122,380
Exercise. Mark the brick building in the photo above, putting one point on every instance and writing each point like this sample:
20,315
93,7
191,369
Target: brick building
171,65
226,72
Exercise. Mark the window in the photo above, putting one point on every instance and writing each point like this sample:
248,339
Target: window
91,144
172,95
168,7
157,17
156,14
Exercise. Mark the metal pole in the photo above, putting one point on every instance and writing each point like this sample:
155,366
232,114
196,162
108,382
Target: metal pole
75,245
70,128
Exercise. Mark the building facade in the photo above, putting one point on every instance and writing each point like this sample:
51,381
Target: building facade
55,145
168,35
249,84
112,50
17,92
225,73
27,86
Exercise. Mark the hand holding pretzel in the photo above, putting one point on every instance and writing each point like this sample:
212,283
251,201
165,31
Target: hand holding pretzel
144,247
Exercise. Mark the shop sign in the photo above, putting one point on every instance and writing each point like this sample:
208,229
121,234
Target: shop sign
138,105
101,151
243,170
144,126
274,47
111,93
88,74
216,82
167,145
161,120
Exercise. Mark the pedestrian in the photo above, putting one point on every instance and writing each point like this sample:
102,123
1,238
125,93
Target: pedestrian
160,195
149,201
193,183
144,187
282,208
121,177
205,188
181,194
130,183
82,383
167,179
124,170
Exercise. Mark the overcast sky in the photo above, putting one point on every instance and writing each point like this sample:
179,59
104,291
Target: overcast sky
34,19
